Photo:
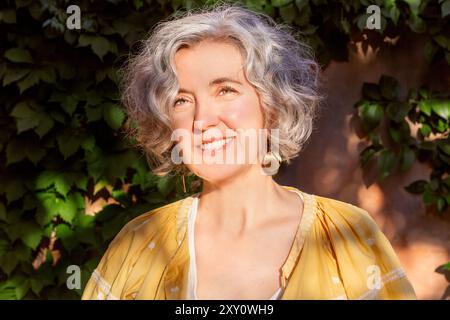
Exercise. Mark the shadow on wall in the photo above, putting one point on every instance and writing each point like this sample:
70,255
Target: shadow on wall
329,164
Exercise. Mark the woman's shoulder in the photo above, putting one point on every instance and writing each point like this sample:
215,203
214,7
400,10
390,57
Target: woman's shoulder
335,210
327,207
162,219
329,214
359,249
157,214
139,239
342,223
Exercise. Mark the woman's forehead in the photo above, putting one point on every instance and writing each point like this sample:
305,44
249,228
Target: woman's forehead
208,61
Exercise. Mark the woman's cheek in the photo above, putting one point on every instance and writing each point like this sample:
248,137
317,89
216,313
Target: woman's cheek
243,114
182,120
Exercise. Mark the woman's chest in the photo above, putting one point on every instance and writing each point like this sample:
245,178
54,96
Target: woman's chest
249,269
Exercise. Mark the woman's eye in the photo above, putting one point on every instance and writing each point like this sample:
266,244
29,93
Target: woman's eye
179,100
227,89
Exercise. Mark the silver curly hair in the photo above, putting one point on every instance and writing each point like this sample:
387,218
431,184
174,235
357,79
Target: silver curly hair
281,68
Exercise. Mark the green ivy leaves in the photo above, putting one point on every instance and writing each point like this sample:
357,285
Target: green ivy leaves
21,148
29,232
18,55
400,148
441,108
100,45
8,16
372,114
61,145
13,75
14,288
113,115
28,117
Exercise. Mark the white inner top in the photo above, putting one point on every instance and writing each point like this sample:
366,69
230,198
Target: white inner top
192,278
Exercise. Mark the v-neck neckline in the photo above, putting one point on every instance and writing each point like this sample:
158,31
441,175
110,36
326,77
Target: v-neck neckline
303,227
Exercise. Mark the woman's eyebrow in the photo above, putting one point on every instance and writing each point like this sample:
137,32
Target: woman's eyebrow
213,82
222,80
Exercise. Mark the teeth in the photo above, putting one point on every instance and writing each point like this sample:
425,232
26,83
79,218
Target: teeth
217,144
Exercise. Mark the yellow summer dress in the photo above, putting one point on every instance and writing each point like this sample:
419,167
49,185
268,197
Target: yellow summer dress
338,252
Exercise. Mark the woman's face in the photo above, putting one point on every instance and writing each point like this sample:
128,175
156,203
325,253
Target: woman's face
216,102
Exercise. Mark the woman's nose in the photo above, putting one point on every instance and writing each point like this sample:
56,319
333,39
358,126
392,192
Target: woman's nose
206,115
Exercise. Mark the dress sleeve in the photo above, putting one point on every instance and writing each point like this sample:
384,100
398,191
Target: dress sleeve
367,263
104,281
137,254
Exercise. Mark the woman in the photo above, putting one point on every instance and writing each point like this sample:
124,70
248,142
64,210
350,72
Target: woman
201,91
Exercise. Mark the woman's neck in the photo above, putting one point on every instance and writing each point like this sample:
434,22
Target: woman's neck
241,204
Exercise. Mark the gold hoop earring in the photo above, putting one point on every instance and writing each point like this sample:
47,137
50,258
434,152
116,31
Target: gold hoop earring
271,163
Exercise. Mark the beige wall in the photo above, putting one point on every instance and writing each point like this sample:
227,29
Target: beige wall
328,166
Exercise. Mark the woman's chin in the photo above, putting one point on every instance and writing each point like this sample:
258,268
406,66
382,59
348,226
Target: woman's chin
216,173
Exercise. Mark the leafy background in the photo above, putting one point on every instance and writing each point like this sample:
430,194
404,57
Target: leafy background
70,178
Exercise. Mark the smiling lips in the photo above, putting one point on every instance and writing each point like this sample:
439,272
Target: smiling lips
213,145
